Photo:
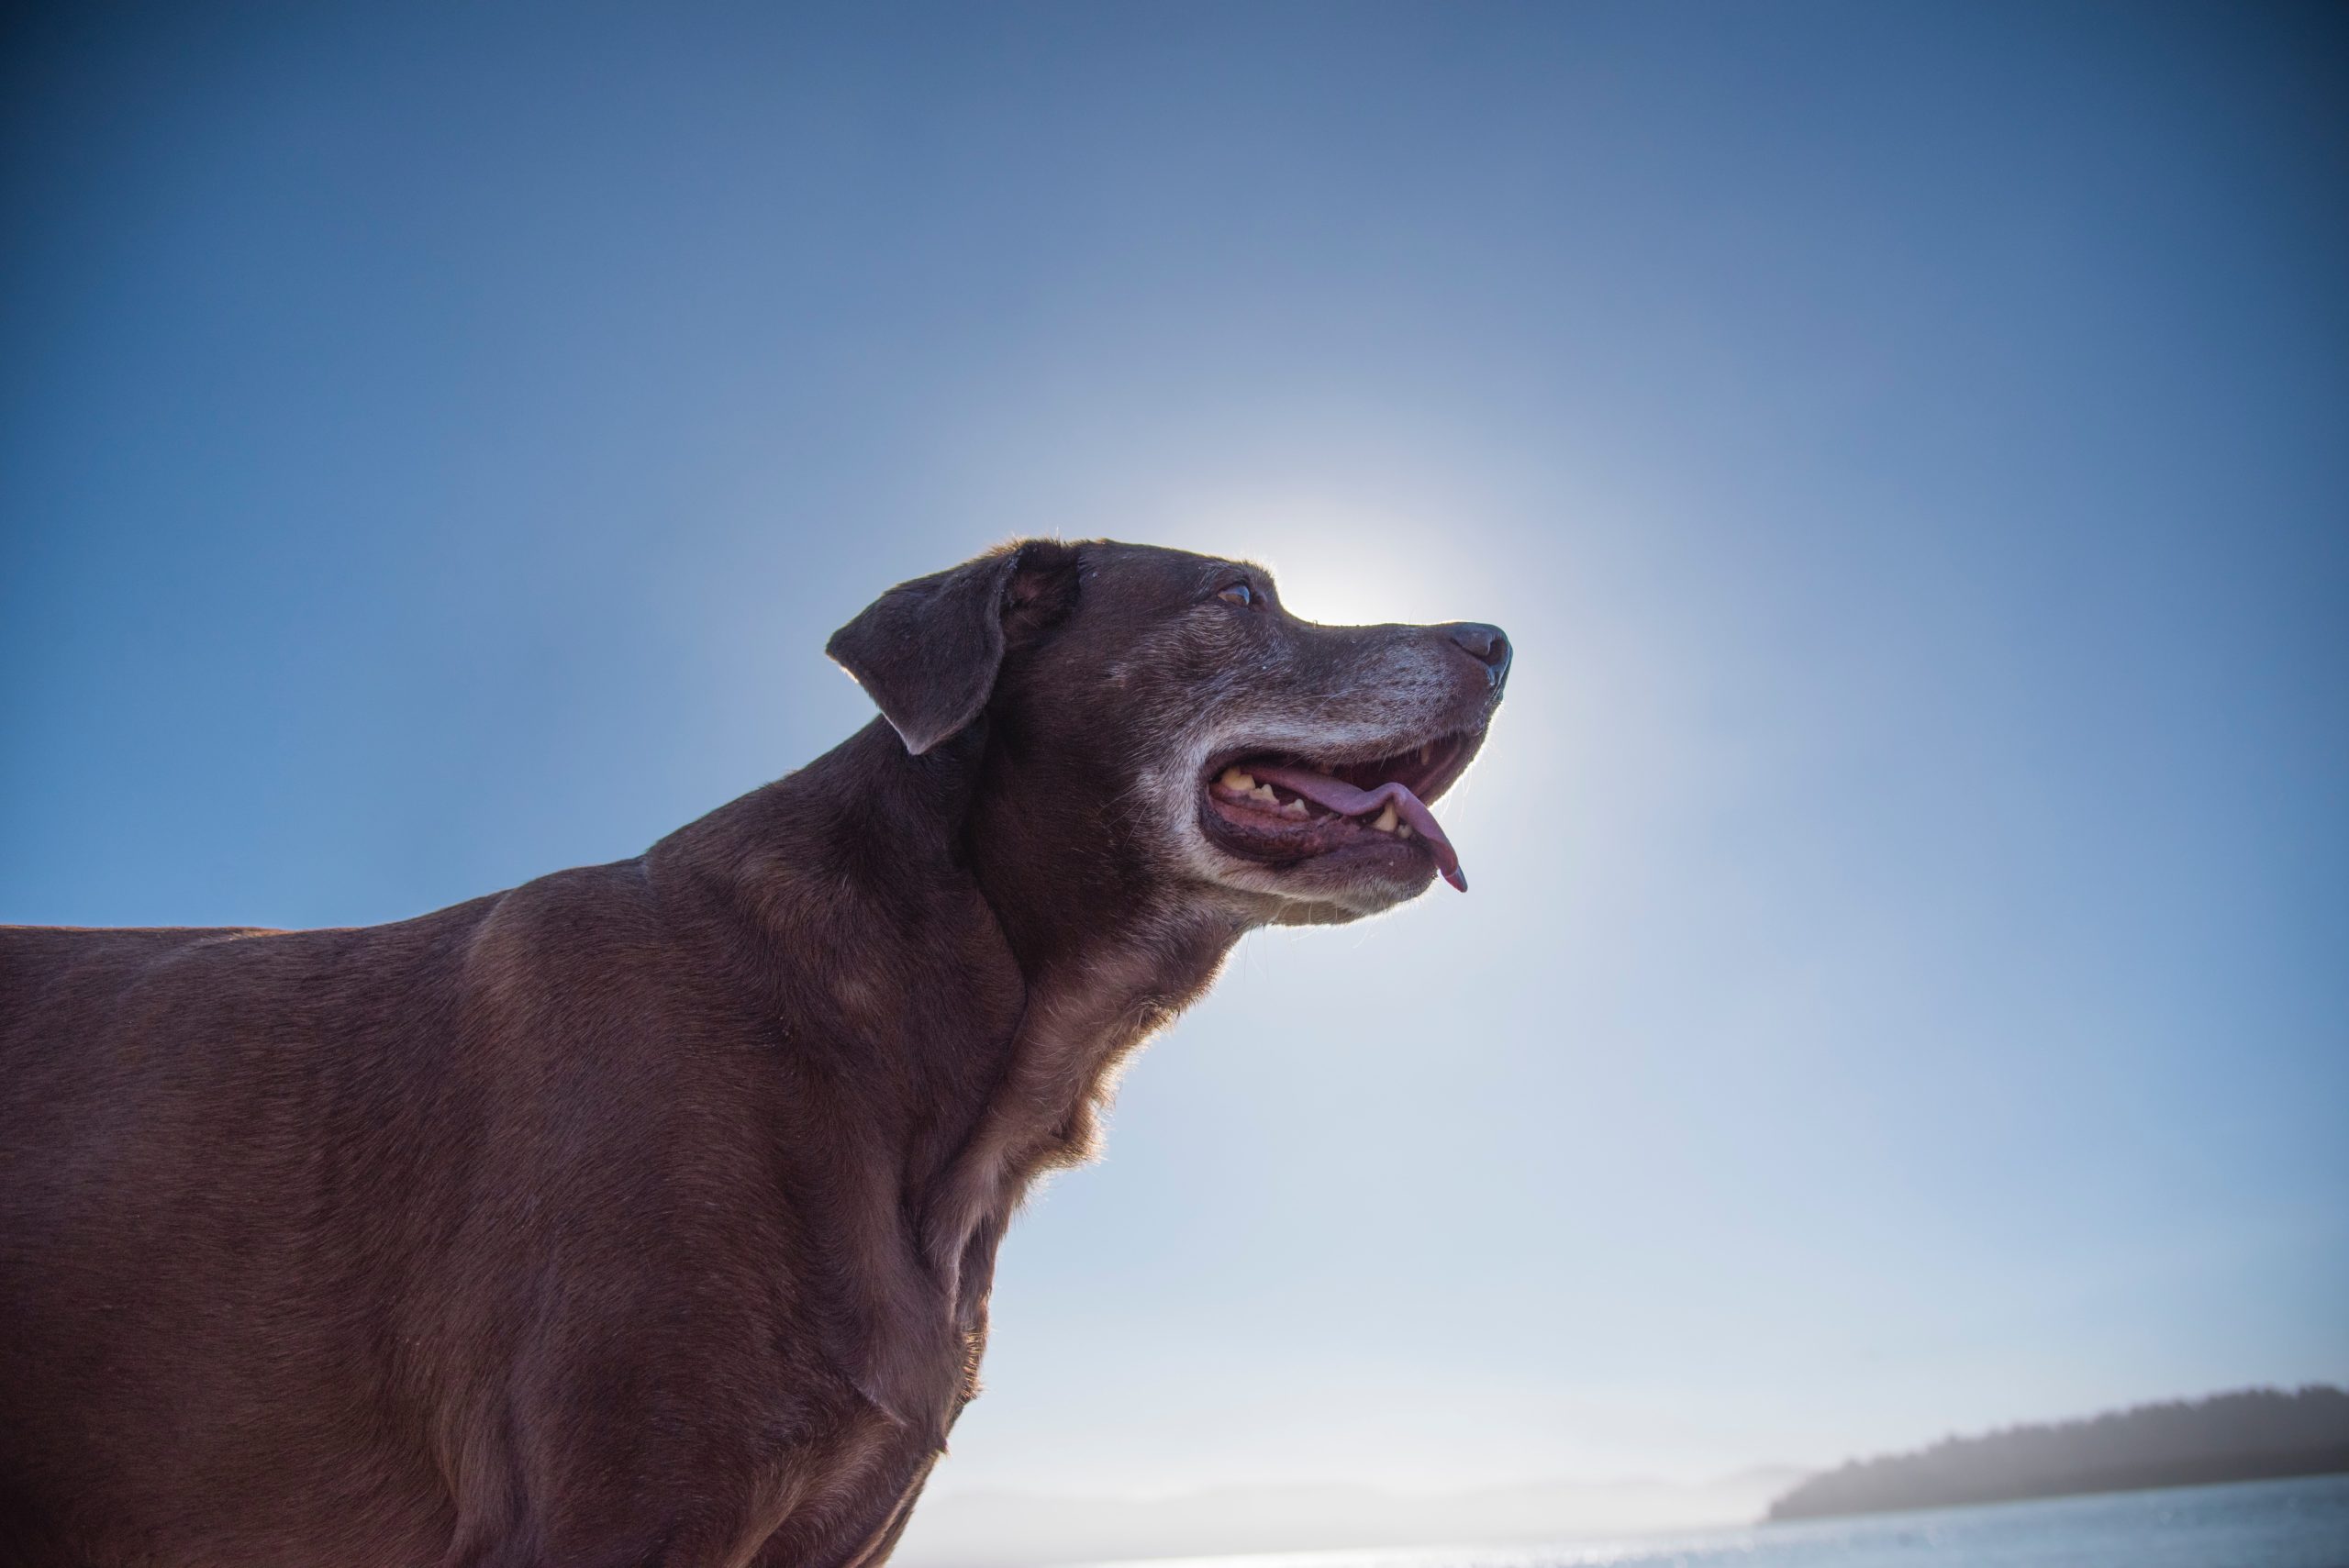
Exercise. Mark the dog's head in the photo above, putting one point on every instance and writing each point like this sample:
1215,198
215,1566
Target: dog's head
1156,717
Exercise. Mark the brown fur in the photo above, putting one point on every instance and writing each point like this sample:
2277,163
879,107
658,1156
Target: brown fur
646,1213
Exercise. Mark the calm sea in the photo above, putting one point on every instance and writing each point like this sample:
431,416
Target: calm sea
2254,1524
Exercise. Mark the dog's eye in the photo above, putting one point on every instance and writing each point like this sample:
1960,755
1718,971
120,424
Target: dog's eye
1237,594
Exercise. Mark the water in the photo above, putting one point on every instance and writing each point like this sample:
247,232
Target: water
2253,1524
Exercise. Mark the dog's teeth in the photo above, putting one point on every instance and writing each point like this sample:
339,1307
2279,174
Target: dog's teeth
1294,808
1234,779
1264,792
1404,831
1427,750
1386,821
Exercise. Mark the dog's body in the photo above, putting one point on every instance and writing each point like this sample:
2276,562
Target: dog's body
647,1213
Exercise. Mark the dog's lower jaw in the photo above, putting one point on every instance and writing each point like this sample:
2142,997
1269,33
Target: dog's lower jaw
1307,894
1250,906
1255,894
1305,912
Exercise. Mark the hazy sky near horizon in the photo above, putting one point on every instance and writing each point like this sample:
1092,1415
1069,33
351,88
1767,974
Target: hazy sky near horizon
1903,987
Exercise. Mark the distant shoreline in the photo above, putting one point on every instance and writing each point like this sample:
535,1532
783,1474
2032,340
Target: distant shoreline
2293,1468
2255,1435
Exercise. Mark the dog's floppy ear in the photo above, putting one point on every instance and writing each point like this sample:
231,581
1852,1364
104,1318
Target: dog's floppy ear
927,651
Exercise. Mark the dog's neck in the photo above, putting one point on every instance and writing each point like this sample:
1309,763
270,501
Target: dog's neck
1062,954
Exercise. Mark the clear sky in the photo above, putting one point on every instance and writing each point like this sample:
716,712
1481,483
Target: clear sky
1906,985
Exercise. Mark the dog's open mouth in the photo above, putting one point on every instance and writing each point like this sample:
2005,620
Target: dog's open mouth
1282,808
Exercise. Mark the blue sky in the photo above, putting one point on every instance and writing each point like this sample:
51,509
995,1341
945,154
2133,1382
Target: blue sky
1903,987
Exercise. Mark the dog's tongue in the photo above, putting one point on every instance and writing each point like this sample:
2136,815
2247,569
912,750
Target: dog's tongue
1347,801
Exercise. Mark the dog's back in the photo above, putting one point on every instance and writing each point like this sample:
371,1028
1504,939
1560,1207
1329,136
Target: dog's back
272,1212
188,1119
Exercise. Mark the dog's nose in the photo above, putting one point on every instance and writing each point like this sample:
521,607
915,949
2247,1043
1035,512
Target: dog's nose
1488,645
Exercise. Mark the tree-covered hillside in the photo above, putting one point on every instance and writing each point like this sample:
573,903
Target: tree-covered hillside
2252,1435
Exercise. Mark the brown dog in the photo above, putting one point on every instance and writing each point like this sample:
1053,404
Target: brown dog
647,1213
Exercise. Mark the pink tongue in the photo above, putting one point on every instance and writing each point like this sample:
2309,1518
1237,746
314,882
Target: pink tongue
1347,801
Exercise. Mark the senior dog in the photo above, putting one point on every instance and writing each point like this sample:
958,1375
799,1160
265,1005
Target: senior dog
647,1213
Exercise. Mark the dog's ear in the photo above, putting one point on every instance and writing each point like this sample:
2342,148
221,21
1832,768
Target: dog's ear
927,651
